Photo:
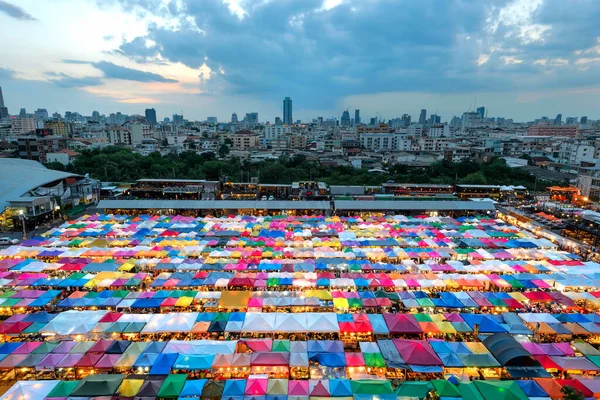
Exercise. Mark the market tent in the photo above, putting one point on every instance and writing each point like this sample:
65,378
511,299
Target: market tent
370,387
193,388
63,389
172,386
532,388
413,389
98,385
445,388
29,390
505,348
194,361
499,390
130,387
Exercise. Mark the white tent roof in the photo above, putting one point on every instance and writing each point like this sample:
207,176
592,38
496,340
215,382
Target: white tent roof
259,322
322,322
29,390
200,347
290,322
173,322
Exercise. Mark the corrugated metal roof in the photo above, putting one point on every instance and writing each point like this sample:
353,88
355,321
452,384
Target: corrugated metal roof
397,205
18,177
213,204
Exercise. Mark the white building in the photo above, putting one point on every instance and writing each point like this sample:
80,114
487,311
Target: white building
439,131
23,126
575,152
273,132
385,141
139,132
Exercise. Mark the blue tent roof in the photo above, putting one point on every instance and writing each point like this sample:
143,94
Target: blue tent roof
532,389
234,387
163,364
194,361
193,388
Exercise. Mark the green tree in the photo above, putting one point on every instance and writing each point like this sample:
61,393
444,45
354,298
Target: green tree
570,393
223,150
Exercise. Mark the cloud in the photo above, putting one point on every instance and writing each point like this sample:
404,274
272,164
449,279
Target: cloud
6,73
77,62
15,11
113,71
319,54
66,81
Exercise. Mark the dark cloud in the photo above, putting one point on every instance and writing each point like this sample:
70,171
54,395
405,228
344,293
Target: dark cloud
294,47
15,11
67,82
113,71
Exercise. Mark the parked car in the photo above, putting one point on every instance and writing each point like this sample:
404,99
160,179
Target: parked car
6,241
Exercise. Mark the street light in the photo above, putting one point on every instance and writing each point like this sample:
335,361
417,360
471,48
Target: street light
23,218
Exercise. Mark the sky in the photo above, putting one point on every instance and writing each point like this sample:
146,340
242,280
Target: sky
521,59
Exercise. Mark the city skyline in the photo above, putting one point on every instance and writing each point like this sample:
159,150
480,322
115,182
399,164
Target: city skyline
212,58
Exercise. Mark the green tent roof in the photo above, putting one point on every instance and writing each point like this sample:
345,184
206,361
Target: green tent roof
98,385
63,389
414,389
445,388
172,386
375,386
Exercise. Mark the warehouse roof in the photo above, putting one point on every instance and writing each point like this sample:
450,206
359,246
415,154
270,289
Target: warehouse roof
19,177
391,205
213,204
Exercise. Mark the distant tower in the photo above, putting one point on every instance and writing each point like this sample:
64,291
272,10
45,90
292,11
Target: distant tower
481,112
151,116
345,120
423,117
287,111
356,117
558,119
234,118
3,109
22,113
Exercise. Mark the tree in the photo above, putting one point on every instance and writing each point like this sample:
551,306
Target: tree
570,393
192,145
228,142
223,150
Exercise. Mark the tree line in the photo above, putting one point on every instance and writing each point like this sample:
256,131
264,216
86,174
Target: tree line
116,164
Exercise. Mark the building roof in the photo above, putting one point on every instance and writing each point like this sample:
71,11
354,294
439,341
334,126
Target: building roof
18,177
213,205
400,205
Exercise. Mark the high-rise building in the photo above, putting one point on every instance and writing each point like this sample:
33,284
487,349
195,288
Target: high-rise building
287,111
41,114
212,120
405,120
481,112
423,117
95,116
23,113
558,119
252,118
151,116
178,118
3,109
234,118
356,117
571,121
345,120
583,120
278,121
434,119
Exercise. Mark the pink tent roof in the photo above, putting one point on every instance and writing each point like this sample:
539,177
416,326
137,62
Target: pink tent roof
298,388
256,387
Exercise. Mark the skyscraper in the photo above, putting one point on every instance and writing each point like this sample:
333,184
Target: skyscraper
481,112
558,119
234,118
583,120
3,109
151,116
423,117
345,120
287,111
357,117
23,113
